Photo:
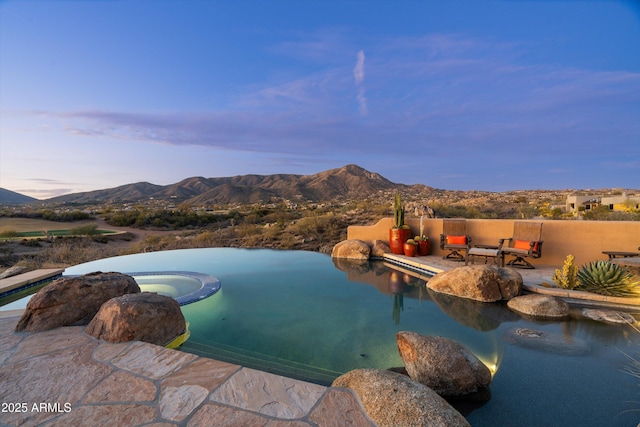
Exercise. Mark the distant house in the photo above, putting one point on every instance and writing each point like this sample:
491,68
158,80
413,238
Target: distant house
582,203
621,202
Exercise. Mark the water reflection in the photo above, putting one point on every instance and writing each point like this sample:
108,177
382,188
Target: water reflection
571,333
474,314
399,283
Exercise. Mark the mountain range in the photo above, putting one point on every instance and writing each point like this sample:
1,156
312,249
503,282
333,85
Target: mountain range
347,182
8,197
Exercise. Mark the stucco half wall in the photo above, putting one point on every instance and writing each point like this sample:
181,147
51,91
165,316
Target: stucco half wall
585,240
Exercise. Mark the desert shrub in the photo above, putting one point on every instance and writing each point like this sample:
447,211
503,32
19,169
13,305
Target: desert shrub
160,218
84,230
63,216
207,239
603,213
607,278
70,251
567,277
248,230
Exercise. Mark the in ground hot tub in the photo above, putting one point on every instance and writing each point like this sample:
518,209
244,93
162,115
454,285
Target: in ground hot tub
185,286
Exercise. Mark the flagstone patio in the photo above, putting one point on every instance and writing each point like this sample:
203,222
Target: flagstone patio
65,377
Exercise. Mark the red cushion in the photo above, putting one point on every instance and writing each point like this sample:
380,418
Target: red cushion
456,240
525,244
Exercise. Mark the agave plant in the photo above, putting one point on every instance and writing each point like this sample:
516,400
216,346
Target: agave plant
607,278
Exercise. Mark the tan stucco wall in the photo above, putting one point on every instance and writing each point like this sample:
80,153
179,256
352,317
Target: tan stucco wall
585,240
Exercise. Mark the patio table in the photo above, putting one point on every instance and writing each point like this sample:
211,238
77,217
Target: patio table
620,254
486,252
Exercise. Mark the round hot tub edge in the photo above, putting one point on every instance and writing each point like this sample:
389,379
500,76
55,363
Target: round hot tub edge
209,284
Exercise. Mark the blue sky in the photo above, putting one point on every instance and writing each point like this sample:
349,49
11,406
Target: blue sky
460,95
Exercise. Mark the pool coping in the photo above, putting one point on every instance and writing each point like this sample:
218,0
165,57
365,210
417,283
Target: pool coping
20,282
534,280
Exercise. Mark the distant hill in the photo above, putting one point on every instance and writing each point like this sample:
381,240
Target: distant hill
8,197
347,182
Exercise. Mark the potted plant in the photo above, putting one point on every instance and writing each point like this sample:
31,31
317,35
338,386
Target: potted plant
400,232
423,245
410,247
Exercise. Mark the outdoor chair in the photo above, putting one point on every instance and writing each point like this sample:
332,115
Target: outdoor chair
454,238
525,243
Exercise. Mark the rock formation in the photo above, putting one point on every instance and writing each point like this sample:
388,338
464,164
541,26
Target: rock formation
541,306
392,399
448,368
146,316
352,249
484,283
379,248
73,301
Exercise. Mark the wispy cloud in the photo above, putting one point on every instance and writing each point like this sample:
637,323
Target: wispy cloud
358,70
358,74
46,188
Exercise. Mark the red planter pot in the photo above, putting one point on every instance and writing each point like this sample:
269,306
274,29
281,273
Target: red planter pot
397,237
410,249
425,248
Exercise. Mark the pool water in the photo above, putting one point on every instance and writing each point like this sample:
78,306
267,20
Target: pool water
294,313
167,284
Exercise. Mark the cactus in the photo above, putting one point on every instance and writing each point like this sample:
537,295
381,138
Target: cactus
567,277
398,212
607,278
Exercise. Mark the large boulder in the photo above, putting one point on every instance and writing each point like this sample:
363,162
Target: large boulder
448,368
73,301
379,248
392,399
146,316
486,283
540,306
352,249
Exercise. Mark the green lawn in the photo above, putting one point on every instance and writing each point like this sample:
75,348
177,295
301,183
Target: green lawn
56,233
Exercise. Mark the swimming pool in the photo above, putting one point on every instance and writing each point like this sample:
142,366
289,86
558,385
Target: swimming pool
295,313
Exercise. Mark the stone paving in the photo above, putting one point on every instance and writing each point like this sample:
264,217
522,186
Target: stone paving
64,377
